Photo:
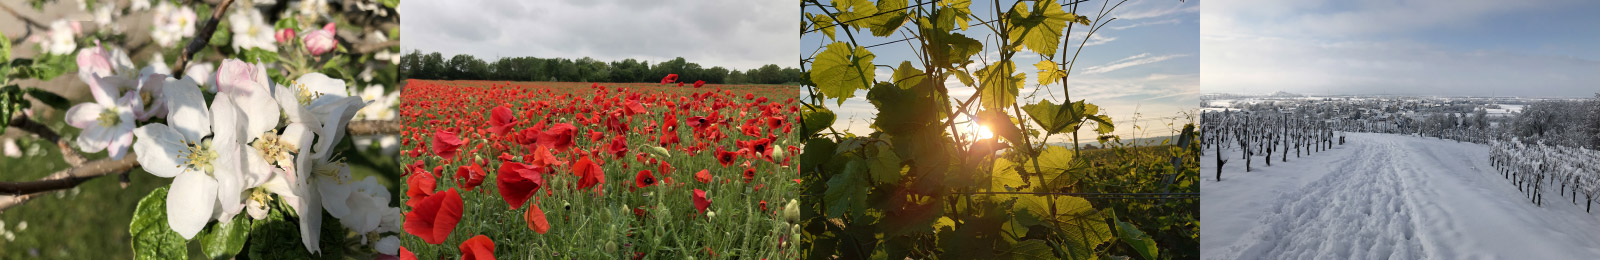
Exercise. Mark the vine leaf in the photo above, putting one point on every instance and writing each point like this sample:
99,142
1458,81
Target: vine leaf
1031,249
152,237
892,17
223,241
885,165
962,10
1060,118
816,119
822,23
1048,72
999,85
1002,125
840,70
1040,30
907,76
1131,235
847,191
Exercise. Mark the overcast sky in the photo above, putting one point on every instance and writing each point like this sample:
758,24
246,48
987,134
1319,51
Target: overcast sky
737,34
1545,48
1143,65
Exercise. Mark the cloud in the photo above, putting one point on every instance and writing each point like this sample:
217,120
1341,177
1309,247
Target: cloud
1468,47
1135,60
728,33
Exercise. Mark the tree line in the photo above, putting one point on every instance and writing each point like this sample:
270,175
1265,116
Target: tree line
466,67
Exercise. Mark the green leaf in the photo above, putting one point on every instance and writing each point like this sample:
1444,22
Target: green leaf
816,119
1001,125
907,76
223,241
1039,30
1031,249
823,23
1130,234
892,15
291,24
962,75
962,10
840,70
152,237
390,3
51,99
11,102
277,236
999,85
847,191
254,55
1048,72
1060,118
221,38
885,164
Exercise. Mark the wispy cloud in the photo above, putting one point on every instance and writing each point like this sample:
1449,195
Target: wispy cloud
1135,60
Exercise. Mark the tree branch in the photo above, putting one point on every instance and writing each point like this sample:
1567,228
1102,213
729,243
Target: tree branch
65,179
373,127
201,39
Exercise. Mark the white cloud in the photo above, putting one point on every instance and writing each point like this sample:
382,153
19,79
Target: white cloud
728,33
1135,60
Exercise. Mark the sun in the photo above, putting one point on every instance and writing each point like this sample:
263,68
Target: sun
972,130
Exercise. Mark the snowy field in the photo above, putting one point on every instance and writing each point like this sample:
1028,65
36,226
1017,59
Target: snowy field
1384,196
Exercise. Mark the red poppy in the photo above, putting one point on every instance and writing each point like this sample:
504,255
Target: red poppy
665,168
518,182
749,174
618,146
669,78
477,247
405,254
445,143
725,157
536,220
589,173
434,218
762,147
699,83
698,122
419,186
644,179
763,205
558,137
501,120
470,176
700,201
704,176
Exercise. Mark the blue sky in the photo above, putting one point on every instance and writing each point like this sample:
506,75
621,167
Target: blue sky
1146,62
1533,48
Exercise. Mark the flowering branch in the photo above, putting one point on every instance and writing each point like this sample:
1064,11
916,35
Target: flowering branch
201,39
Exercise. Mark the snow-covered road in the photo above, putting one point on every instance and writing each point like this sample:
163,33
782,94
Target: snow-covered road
1385,196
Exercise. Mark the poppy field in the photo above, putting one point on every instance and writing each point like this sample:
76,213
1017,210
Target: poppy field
552,170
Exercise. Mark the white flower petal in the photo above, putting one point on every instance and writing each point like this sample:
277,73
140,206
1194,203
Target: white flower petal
187,109
322,84
158,148
84,115
190,204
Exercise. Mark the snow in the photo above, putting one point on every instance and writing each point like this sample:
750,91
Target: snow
1384,196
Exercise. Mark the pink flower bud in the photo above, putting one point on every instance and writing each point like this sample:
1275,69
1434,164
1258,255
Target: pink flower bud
284,36
319,41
